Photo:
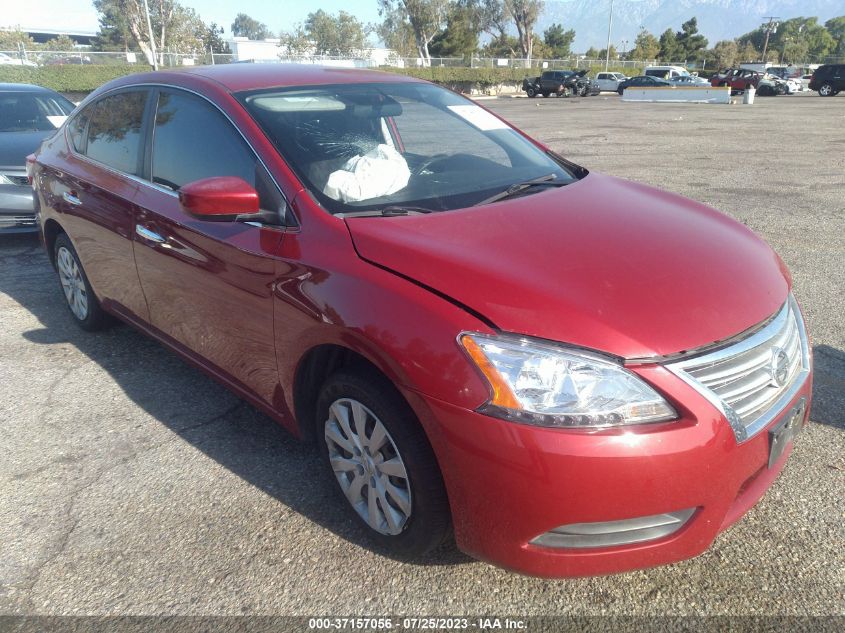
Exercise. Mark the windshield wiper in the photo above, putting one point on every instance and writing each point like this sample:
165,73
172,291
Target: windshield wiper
390,211
542,181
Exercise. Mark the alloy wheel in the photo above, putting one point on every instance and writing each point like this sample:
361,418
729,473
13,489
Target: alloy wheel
73,284
368,466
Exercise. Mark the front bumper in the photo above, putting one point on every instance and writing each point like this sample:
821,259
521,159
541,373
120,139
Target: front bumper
17,209
509,483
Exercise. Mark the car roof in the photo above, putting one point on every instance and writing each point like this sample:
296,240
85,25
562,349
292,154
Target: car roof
241,77
24,88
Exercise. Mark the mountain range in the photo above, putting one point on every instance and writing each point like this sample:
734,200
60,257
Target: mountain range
717,19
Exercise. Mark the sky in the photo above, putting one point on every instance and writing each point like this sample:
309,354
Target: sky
279,15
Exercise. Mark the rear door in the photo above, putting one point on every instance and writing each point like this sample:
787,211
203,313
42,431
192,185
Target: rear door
838,76
95,191
208,284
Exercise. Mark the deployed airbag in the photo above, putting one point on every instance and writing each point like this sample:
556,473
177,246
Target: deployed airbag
380,172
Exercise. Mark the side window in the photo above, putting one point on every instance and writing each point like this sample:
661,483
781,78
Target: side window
114,131
192,140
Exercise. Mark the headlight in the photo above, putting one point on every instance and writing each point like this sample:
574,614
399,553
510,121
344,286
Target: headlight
546,385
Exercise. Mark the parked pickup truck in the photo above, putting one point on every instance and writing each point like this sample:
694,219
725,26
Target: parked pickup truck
563,83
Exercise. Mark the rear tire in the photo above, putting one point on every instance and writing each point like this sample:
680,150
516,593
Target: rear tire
79,297
826,90
363,423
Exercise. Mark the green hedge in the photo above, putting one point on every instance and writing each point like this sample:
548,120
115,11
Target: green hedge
81,79
68,78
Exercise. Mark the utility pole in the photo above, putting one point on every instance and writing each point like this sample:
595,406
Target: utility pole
609,27
771,27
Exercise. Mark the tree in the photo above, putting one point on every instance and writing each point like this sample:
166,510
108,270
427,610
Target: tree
460,38
174,28
296,42
341,35
669,49
114,33
592,53
12,40
725,53
747,53
493,19
602,54
397,33
836,28
426,18
212,40
524,14
690,42
246,26
558,41
60,43
502,46
646,46
797,40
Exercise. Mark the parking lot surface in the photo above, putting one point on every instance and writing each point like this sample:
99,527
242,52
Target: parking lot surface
132,484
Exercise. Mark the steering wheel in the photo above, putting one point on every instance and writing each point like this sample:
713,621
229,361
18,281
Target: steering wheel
429,162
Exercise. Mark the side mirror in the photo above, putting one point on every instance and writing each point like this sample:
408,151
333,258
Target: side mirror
221,199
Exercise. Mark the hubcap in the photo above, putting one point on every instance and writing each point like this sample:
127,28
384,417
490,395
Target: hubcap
72,283
368,466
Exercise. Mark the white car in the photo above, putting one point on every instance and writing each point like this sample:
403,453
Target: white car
609,82
6,60
794,84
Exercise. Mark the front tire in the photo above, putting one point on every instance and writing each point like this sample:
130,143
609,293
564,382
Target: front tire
382,464
826,90
531,93
79,296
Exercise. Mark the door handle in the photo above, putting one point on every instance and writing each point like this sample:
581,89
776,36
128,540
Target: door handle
70,198
149,235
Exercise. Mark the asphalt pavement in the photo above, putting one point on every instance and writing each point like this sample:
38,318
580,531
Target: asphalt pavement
130,483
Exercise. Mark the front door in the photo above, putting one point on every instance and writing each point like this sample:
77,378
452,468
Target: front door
208,284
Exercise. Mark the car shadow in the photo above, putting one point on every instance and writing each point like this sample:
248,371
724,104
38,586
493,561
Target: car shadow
231,432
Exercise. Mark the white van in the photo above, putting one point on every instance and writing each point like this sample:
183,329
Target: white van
666,72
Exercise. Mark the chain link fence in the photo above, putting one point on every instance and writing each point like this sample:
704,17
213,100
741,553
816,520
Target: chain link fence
166,59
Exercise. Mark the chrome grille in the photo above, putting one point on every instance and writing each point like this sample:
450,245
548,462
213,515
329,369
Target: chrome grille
17,180
16,220
752,380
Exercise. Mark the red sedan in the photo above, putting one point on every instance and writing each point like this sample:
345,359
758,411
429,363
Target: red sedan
572,373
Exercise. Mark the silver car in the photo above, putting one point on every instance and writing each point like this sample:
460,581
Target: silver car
689,80
609,82
28,115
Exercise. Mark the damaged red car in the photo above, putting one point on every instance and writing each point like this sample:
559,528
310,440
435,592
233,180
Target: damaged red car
571,373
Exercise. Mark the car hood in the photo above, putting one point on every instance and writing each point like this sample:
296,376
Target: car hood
602,263
16,146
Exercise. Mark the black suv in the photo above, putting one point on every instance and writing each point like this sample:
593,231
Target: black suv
828,80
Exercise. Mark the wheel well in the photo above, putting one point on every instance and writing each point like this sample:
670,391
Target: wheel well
52,230
313,371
